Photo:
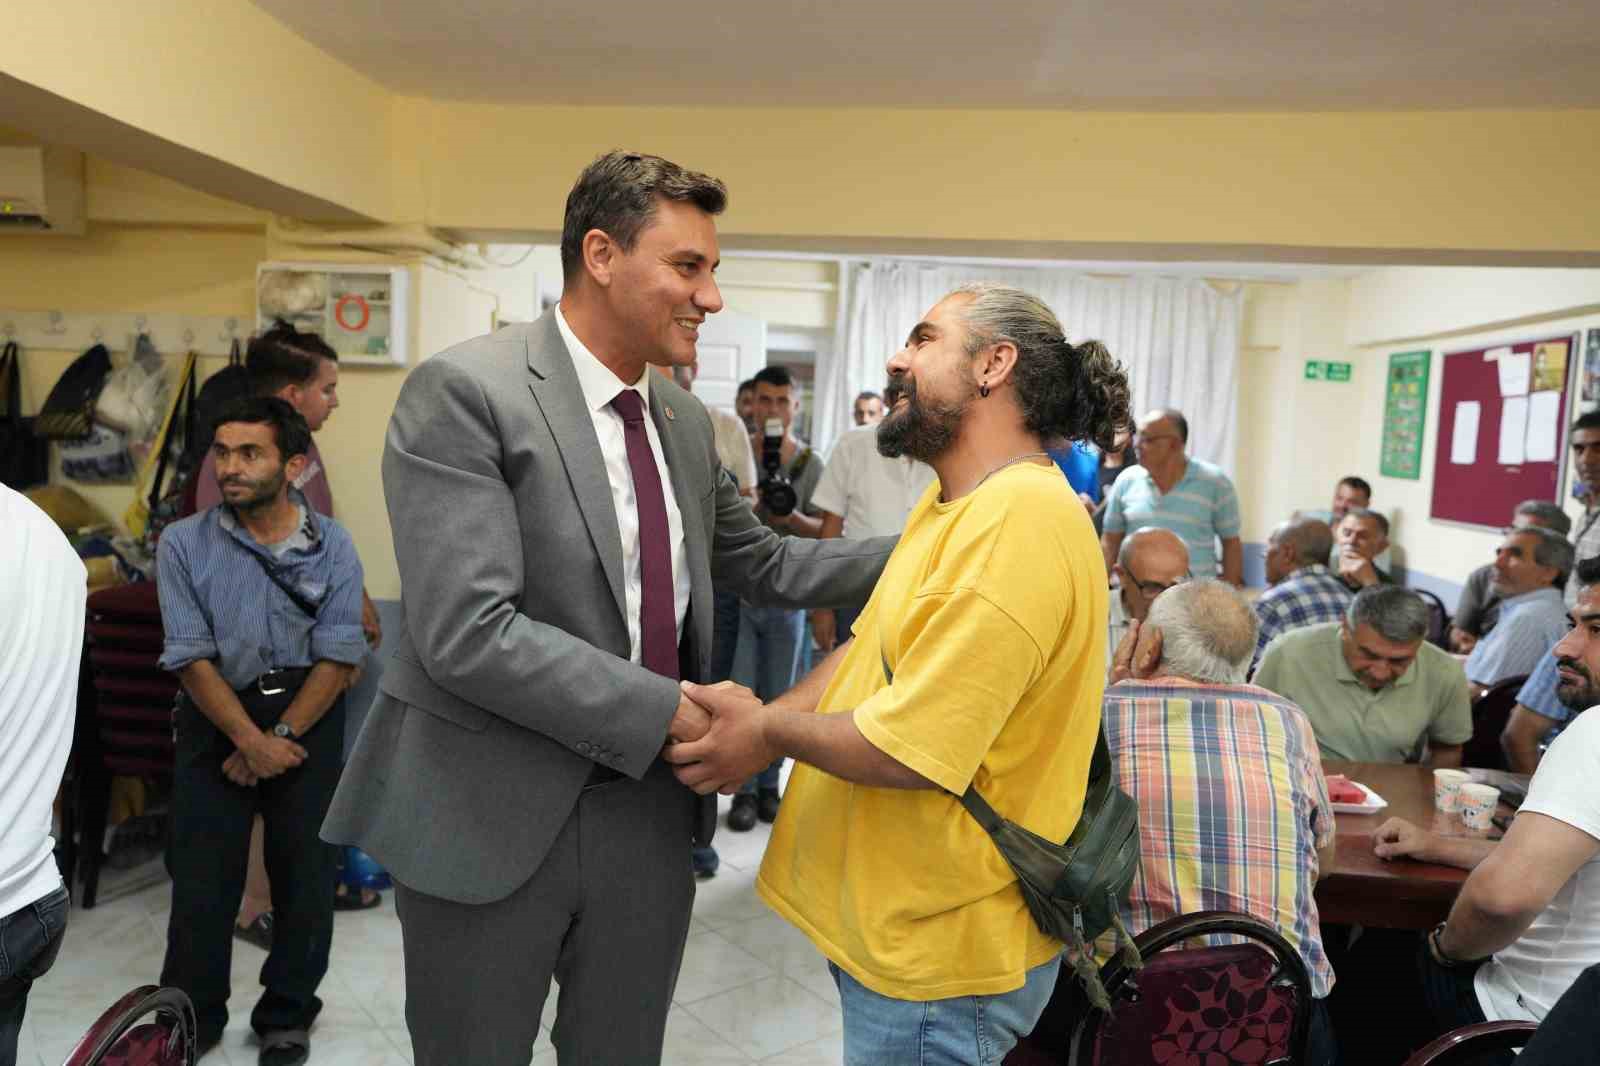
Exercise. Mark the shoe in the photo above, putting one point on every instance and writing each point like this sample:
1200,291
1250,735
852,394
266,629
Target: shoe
258,932
767,800
356,899
705,862
742,817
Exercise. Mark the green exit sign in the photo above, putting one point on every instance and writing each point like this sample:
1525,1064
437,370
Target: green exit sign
1321,370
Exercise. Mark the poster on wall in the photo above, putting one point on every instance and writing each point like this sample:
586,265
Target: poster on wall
1591,369
1405,411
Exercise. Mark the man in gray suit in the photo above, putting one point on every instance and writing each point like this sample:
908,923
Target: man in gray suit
559,519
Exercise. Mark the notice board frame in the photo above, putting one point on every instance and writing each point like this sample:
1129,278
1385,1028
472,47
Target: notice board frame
1485,492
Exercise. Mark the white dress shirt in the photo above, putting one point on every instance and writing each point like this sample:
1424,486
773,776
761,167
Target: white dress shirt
43,587
600,386
873,495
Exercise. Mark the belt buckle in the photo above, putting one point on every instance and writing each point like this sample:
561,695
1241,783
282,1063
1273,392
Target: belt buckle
261,684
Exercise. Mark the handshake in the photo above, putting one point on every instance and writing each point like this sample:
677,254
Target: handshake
718,737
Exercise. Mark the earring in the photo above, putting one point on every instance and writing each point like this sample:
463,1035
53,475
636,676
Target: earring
983,390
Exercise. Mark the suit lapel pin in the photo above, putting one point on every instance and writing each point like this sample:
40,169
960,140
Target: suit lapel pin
668,410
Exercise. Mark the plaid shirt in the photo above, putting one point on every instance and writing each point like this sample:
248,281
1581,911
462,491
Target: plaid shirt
1232,806
1314,594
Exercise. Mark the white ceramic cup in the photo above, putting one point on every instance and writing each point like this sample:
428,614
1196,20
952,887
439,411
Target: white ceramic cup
1477,804
1447,788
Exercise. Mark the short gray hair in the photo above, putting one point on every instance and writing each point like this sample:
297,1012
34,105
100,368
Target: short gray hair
1208,632
1547,514
1397,614
1065,391
1552,549
1376,516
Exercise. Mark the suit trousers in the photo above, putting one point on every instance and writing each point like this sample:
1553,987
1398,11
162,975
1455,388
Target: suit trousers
606,914
209,850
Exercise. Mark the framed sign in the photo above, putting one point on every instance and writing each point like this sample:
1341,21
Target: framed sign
359,309
1405,414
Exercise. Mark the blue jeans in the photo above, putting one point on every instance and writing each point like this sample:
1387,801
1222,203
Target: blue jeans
772,646
960,1031
30,939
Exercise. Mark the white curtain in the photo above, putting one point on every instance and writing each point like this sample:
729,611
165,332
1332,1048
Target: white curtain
1178,338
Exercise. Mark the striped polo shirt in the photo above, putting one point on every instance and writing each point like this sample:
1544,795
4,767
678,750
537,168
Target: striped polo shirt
1232,806
1201,507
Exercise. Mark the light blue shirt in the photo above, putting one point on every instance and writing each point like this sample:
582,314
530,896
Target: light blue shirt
1201,507
217,601
1530,625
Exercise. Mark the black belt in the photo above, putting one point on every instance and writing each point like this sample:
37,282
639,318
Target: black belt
276,682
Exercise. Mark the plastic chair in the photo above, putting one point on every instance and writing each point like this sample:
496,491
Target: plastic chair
1438,619
1229,1003
1465,1045
1490,713
149,1026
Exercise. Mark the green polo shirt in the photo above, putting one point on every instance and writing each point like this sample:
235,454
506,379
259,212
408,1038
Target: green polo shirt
1307,667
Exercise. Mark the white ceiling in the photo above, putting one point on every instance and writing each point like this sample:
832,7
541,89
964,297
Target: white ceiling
1179,55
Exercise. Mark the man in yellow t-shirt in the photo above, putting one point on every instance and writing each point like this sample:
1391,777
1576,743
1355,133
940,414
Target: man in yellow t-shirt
991,617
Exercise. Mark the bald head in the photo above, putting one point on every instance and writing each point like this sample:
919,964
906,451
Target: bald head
1207,632
1149,561
1297,543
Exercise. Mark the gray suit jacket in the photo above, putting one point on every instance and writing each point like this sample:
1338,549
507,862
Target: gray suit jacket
510,676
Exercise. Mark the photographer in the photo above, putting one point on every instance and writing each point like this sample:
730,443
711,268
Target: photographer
771,651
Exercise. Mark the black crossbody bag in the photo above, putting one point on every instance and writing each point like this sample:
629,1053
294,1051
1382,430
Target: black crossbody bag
1075,890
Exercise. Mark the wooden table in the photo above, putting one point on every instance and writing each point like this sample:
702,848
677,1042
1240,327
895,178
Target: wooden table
1397,893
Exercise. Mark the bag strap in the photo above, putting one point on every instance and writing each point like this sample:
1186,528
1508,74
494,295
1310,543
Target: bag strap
183,399
235,358
12,359
305,605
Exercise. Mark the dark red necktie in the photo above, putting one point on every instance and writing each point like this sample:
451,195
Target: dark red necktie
658,616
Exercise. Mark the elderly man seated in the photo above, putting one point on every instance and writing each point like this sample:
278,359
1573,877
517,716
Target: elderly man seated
1362,537
1233,809
1304,592
1527,921
1149,562
1530,570
1478,609
1372,687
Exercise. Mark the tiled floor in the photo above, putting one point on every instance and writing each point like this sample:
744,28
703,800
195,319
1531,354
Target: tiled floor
752,989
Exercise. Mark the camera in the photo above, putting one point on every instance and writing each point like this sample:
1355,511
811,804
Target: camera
777,493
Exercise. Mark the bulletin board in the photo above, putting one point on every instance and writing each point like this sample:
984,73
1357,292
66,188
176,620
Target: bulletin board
1502,428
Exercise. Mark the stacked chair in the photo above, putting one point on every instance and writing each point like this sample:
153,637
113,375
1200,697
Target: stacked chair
125,727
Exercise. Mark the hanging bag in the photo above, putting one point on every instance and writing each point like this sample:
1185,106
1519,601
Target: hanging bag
175,427
1075,890
68,412
24,456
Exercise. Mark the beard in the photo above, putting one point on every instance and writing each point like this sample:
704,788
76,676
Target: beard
922,431
1577,697
259,492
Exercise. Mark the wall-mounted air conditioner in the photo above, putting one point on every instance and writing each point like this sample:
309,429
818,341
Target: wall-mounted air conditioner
41,190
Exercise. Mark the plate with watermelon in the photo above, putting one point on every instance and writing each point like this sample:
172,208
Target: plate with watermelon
1352,797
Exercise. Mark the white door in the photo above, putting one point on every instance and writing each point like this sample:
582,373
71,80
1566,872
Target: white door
732,347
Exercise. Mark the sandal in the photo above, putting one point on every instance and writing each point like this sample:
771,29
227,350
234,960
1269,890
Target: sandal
356,901
284,1047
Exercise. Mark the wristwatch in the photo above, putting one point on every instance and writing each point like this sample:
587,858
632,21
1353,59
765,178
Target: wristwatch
282,730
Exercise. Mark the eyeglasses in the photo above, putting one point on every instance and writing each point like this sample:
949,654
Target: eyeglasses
1152,589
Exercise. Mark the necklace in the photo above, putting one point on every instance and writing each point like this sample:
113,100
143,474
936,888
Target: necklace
1010,462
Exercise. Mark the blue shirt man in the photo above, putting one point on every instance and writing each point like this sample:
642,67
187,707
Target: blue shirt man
1530,566
261,610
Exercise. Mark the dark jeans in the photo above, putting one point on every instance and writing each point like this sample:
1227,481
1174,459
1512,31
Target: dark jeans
209,850
1453,1002
30,939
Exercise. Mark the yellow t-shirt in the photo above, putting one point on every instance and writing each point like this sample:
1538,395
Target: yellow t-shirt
992,615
